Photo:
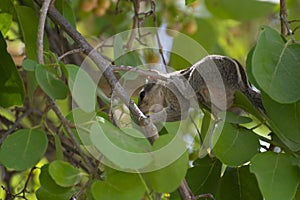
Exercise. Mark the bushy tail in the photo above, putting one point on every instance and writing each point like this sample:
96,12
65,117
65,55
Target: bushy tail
255,99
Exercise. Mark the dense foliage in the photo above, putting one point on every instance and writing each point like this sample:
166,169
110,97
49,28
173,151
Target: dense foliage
64,134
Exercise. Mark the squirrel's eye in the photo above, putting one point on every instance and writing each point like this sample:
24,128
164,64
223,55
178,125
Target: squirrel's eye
142,95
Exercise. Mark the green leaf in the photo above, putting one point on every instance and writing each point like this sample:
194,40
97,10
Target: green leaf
118,47
83,123
131,58
6,20
65,8
78,82
233,118
23,149
188,2
6,6
277,177
236,145
43,193
31,84
123,150
284,120
50,84
207,37
181,57
241,183
119,185
204,177
168,178
64,174
28,26
241,101
49,184
59,154
29,65
297,196
249,68
277,73
206,129
239,9
11,85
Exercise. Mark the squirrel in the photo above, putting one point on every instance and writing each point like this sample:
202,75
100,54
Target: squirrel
211,82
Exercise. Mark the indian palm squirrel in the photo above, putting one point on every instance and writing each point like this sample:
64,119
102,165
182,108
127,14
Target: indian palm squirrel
211,83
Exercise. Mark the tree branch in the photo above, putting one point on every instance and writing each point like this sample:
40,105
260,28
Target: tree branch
284,23
41,26
55,108
107,70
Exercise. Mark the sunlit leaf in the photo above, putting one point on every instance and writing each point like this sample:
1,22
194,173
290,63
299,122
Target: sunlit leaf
64,174
49,184
6,20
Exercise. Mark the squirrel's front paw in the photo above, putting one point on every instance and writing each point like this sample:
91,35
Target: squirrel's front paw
159,116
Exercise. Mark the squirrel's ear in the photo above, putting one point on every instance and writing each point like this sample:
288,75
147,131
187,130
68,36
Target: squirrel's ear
150,80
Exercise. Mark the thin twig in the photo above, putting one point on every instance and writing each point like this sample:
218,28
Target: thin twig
210,196
295,29
196,127
106,69
150,130
294,20
16,124
185,192
153,7
135,24
146,73
23,192
66,123
41,26
73,51
55,108
283,15
285,26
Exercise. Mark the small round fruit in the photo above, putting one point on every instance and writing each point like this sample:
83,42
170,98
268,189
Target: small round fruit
195,4
174,29
190,27
88,5
104,4
99,11
152,58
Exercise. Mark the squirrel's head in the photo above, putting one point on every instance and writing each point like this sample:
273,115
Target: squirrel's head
151,97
